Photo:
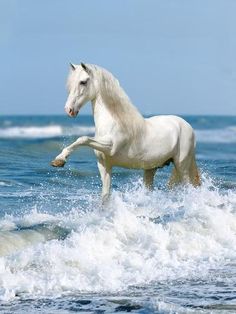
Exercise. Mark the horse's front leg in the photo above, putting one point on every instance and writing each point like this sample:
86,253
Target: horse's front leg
105,172
103,145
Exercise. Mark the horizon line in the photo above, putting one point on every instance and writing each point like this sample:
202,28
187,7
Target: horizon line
91,115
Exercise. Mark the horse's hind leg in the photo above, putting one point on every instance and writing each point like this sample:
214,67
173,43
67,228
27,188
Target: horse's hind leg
148,178
185,171
194,173
175,178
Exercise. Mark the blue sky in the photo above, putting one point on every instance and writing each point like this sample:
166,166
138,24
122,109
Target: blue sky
171,56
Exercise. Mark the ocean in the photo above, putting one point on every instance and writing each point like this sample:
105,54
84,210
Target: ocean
61,251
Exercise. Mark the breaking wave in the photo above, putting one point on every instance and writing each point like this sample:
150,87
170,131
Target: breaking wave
140,238
41,132
225,135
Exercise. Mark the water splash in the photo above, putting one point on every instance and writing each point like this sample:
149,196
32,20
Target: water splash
141,237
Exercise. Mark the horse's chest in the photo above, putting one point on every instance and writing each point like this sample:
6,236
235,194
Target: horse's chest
129,158
121,158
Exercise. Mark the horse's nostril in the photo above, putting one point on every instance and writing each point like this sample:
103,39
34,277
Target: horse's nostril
70,110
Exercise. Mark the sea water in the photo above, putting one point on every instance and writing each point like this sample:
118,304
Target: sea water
166,251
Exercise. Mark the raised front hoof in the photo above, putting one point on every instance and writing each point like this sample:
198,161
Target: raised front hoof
58,163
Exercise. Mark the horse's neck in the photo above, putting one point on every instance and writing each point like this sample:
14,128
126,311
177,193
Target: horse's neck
132,122
112,107
103,119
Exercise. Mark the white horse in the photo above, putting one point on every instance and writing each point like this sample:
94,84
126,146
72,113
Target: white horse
122,136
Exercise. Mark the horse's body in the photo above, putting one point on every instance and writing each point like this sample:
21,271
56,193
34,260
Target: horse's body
122,136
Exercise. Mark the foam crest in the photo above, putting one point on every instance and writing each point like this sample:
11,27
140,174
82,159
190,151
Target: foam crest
31,132
225,135
41,132
140,238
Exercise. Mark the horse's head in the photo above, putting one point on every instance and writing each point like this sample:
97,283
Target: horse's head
80,87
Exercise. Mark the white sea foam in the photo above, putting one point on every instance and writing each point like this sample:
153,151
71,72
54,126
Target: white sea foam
31,132
224,135
38,132
5,183
142,237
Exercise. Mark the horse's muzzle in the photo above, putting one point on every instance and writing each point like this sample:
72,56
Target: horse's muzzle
71,113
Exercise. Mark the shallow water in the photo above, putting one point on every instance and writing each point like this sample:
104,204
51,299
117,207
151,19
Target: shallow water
162,251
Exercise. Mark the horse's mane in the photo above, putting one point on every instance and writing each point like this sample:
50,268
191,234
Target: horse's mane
117,101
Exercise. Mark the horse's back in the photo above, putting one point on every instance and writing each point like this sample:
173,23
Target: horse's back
168,119
171,123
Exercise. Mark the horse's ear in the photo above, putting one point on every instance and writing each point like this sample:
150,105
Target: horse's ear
73,66
84,67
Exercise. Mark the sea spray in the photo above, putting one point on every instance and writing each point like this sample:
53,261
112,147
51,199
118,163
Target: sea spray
142,237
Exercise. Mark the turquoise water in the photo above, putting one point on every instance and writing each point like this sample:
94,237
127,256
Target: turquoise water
162,251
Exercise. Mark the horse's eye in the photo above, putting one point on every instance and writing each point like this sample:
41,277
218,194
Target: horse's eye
83,83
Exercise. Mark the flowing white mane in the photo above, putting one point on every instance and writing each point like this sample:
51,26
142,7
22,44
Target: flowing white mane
117,101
